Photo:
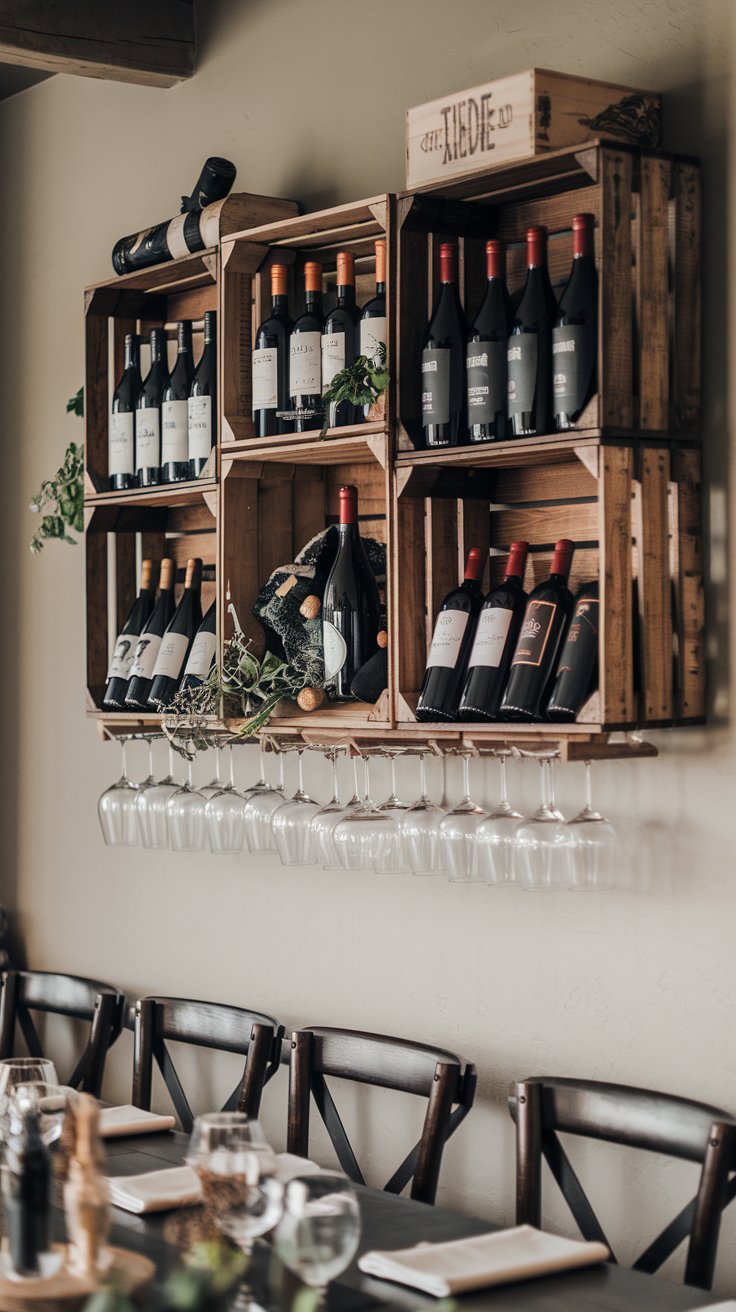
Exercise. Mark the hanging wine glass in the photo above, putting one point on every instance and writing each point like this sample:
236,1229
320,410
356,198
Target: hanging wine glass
418,830
261,785
539,844
326,821
185,815
495,835
456,835
291,823
592,845
117,807
151,809
150,778
395,808
225,815
259,811
367,837
216,783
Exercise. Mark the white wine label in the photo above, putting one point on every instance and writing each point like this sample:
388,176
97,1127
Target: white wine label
535,631
436,386
522,366
447,638
201,655
171,655
175,237
265,378
209,223
148,438
372,335
146,655
200,427
490,637
122,657
335,649
305,374
121,444
487,386
174,431
333,357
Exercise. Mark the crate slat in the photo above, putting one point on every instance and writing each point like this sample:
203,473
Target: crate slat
654,586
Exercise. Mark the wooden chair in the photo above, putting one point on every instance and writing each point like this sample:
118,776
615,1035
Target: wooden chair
206,1025
439,1076
24,991
637,1118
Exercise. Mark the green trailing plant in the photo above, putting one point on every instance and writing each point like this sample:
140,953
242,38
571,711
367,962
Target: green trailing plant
360,383
61,498
211,1272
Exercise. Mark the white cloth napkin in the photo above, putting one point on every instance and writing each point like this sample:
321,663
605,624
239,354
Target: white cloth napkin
115,1122
178,1186
494,1259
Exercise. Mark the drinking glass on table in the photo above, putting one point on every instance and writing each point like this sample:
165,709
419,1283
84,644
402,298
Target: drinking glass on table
51,1101
117,808
17,1071
319,1231
151,808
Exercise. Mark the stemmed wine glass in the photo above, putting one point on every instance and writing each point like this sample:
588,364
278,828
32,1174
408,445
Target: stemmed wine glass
185,815
117,807
319,1231
456,835
18,1071
291,823
225,815
150,778
394,862
494,837
367,837
215,785
326,820
418,829
539,843
592,845
262,803
151,808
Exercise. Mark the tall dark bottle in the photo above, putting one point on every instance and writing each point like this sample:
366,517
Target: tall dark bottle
118,673
340,338
452,640
575,334
148,413
147,647
350,608
486,364
176,643
27,1193
270,361
305,352
530,345
577,669
175,409
542,631
202,404
202,656
498,628
443,361
373,317
121,433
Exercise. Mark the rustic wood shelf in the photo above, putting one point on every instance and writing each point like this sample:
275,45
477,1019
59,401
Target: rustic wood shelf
165,494
355,442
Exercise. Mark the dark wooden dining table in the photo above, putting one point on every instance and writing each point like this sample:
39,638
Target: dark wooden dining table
391,1222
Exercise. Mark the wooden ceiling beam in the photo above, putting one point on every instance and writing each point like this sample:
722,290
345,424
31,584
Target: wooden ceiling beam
148,42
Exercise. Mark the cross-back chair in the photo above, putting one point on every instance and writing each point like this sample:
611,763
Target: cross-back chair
638,1118
213,1025
102,1005
318,1053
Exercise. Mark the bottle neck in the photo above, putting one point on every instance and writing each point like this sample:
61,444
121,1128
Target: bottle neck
210,329
158,347
346,295
380,289
131,355
313,302
279,303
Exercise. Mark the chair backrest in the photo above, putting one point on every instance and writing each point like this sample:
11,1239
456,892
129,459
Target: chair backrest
252,1034
637,1118
24,991
439,1076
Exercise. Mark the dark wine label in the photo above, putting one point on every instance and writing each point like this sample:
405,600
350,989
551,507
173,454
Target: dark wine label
486,372
436,386
573,359
581,643
522,355
535,631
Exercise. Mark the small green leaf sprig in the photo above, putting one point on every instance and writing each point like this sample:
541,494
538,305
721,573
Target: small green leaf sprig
63,494
360,383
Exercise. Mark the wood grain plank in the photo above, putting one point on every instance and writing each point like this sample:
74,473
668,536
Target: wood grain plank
652,258
616,648
615,359
443,552
407,623
688,578
96,399
413,296
687,259
654,585
538,524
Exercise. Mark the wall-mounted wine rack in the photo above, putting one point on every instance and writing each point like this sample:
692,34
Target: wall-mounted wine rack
625,484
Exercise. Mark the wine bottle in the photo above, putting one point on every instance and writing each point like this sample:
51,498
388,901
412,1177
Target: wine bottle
175,409
340,338
350,607
542,631
530,345
202,656
177,641
147,647
305,353
577,669
373,318
575,334
27,1191
118,673
148,413
195,228
202,404
451,643
270,361
485,359
498,628
121,434
443,360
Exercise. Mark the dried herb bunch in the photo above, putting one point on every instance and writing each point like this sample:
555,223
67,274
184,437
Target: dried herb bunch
360,383
62,497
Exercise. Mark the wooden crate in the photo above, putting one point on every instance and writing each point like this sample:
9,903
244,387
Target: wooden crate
151,523
245,296
647,245
633,510
270,510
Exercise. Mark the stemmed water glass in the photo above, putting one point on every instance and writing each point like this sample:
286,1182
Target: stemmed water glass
117,807
319,1231
291,823
456,835
494,837
151,808
185,816
591,842
262,803
18,1071
368,837
418,829
225,815
394,862
328,817
539,843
